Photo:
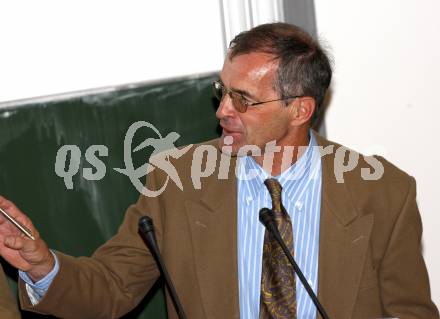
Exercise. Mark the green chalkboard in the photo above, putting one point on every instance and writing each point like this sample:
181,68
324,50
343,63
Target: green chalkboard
78,220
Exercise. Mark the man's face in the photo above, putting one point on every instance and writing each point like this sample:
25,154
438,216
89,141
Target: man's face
253,75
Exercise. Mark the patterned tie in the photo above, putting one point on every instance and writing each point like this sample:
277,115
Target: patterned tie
278,288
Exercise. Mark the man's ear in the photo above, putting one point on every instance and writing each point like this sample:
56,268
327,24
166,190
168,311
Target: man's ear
302,110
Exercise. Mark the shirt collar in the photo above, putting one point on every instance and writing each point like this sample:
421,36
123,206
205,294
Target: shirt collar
303,168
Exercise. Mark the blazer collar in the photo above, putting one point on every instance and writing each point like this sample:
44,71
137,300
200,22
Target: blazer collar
344,238
335,195
213,223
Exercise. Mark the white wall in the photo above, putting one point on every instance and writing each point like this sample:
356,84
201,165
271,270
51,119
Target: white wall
53,46
386,93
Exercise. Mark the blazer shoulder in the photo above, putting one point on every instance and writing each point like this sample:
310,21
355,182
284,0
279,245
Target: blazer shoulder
368,170
184,162
183,155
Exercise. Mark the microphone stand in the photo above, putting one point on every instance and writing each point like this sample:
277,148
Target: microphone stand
146,229
266,218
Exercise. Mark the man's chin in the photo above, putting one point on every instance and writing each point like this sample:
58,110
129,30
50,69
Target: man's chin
228,145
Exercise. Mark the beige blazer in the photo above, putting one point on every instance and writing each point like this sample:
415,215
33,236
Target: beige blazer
370,262
8,305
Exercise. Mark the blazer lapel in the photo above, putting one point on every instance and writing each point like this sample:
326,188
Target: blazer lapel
213,224
344,238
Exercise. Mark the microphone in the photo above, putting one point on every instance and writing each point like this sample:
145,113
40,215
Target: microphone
267,219
146,230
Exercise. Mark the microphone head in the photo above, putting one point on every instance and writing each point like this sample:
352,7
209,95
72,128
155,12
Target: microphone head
145,224
265,216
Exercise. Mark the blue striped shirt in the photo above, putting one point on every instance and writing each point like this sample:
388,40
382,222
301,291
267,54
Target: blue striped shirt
301,197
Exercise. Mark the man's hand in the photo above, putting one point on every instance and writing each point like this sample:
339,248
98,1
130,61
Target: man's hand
31,256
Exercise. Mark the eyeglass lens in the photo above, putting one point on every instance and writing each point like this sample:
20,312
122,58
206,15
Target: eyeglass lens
219,92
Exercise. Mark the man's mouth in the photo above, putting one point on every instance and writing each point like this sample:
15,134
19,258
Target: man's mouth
230,131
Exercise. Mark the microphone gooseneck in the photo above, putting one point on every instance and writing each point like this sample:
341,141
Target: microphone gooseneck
267,219
146,230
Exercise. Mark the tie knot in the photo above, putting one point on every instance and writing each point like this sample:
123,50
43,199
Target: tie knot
274,188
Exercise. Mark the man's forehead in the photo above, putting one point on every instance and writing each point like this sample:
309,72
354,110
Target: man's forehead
255,65
256,56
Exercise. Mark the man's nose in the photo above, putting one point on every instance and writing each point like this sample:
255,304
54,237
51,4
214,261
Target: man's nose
226,108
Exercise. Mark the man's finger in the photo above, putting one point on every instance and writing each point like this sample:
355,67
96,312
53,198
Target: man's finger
14,242
16,214
9,207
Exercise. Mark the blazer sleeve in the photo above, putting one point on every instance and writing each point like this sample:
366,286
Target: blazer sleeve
403,275
8,305
111,282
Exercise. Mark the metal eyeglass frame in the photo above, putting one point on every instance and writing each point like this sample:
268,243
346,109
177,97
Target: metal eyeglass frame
244,103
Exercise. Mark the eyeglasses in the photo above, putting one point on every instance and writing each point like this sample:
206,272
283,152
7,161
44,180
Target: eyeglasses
239,102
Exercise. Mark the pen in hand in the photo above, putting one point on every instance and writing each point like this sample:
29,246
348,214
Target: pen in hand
17,224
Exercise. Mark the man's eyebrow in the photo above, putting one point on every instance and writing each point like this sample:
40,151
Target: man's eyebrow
244,93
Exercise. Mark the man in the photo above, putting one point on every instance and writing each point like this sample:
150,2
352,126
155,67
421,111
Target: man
355,235
8,306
